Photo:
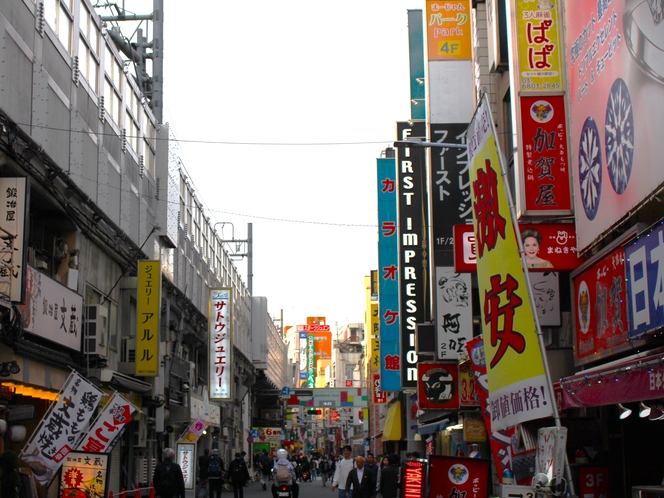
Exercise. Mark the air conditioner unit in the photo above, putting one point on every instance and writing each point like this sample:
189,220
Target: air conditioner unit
96,329
128,354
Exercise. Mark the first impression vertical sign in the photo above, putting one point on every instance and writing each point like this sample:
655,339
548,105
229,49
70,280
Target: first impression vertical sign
148,305
220,343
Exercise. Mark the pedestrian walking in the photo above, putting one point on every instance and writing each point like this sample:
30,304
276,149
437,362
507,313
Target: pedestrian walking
324,469
343,466
215,474
266,464
167,479
361,481
389,478
238,473
203,470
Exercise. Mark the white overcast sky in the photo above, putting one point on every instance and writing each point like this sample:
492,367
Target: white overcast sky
291,72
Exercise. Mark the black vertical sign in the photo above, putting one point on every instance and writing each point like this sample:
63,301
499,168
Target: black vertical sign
414,246
450,189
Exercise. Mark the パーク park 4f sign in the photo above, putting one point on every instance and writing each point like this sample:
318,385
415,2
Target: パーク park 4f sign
518,388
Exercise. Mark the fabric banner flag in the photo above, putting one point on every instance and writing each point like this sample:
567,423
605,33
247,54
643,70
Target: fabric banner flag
110,423
61,428
518,387
194,431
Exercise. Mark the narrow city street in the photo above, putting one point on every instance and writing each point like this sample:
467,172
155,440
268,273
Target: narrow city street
307,490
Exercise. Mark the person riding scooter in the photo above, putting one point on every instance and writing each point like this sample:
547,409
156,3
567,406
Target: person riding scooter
282,461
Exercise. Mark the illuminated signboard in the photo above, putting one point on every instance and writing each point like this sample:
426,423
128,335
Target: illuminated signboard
413,478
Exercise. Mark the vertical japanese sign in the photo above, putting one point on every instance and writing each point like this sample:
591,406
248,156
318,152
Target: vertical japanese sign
311,377
454,313
546,179
302,348
102,436
375,337
86,472
12,221
379,396
414,247
645,283
148,308
388,287
449,30
518,388
220,343
61,428
600,309
186,458
540,51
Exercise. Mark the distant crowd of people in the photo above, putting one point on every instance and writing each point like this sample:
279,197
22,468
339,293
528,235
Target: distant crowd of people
352,477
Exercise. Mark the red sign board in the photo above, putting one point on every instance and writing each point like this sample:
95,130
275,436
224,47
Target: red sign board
349,383
557,246
413,479
546,178
593,482
438,385
600,308
379,397
468,394
459,476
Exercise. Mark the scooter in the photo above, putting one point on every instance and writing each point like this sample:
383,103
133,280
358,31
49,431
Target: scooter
305,476
284,491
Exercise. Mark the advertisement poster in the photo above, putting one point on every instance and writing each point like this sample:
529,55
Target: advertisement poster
518,387
86,472
545,177
600,307
108,426
468,389
616,98
438,385
459,476
645,264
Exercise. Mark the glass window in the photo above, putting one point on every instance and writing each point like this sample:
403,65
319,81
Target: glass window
88,65
58,16
112,102
132,132
89,28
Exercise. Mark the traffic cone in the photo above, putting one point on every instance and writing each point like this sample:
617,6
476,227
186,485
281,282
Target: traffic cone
137,494
110,494
151,495
122,493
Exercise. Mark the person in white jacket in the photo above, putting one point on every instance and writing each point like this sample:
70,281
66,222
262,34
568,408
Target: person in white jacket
344,466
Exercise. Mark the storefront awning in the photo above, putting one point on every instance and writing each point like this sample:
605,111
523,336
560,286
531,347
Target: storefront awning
121,380
624,381
433,426
392,429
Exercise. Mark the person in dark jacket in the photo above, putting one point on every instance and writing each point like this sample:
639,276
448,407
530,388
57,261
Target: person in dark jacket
215,474
168,480
389,478
239,474
360,481
203,463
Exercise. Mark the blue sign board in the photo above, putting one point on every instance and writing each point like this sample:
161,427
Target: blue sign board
645,282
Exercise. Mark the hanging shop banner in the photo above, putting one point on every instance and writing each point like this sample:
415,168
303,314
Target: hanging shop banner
379,396
631,381
544,171
148,309
551,443
302,347
518,388
194,431
61,428
186,458
600,309
449,29
105,431
450,189
454,313
220,320
468,389
311,380
374,323
539,47
12,232
86,472
438,385
388,275
414,270
645,270
556,244
459,476
616,100
52,311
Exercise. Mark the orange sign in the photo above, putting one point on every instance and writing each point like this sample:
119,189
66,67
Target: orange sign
448,30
